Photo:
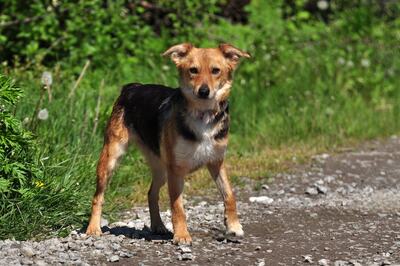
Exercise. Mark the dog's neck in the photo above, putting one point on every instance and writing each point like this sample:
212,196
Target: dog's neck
209,115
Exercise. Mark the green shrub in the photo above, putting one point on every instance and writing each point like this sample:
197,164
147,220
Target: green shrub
31,202
18,152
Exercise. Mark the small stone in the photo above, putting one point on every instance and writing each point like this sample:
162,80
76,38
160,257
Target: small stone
27,251
99,245
340,263
386,262
354,263
185,256
311,191
307,258
257,248
113,258
323,262
262,200
280,192
26,261
265,187
184,249
40,263
260,262
322,189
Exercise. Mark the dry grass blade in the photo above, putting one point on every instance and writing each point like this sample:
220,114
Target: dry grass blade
97,110
72,92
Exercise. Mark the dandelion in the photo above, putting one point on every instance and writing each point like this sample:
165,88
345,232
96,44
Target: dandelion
26,120
47,78
341,61
350,64
323,5
365,63
267,57
43,114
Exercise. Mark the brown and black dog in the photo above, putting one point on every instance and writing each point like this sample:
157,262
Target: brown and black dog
178,131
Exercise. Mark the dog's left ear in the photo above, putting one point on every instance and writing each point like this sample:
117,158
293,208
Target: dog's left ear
178,52
232,53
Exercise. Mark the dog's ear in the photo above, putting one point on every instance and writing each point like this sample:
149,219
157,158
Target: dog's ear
178,52
232,53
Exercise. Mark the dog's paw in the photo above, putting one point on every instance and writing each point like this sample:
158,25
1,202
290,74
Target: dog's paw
235,229
159,229
93,231
184,239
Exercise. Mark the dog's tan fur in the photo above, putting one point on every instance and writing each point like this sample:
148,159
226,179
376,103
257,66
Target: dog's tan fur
179,156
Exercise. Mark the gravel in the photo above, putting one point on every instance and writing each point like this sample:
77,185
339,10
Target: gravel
339,210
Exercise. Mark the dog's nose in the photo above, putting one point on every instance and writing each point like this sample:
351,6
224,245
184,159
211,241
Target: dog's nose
204,91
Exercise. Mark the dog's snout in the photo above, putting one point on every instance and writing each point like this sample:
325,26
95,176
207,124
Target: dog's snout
204,91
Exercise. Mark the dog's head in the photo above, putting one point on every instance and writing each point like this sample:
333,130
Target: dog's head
205,73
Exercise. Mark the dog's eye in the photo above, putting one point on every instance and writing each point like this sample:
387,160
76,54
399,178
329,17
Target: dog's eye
193,70
215,70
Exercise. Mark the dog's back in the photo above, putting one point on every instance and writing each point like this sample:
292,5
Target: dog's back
145,108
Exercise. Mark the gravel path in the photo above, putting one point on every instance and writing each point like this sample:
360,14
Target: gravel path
340,210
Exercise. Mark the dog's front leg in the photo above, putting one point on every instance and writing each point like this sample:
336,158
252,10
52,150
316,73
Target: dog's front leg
218,172
175,189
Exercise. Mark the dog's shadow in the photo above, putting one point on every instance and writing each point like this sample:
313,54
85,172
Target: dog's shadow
134,233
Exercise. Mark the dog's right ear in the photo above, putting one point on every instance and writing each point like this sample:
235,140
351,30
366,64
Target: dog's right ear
178,52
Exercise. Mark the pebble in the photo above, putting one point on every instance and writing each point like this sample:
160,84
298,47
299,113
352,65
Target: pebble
322,189
265,187
307,258
323,262
311,191
27,251
185,256
260,262
340,263
262,200
113,258
184,249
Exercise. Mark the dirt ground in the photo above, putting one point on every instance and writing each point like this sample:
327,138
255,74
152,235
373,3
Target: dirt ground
341,209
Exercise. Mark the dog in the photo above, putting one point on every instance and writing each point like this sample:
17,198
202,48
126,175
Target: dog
178,131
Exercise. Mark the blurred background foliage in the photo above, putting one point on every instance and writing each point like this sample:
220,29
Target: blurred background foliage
323,73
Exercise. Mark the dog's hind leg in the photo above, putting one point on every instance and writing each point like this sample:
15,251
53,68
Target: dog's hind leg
218,172
115,143
159,179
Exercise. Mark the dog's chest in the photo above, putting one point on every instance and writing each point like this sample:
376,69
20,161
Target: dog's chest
198,153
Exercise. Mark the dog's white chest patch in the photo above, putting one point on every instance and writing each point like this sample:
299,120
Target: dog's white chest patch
198,153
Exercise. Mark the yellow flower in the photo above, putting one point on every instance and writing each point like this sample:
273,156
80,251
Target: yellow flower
38,183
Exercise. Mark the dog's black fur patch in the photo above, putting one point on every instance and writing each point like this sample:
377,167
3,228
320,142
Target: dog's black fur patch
224,130
146,106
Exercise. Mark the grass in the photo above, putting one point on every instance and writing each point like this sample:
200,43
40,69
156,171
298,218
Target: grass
305,91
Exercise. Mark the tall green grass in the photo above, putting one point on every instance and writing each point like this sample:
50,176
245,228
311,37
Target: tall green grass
314,83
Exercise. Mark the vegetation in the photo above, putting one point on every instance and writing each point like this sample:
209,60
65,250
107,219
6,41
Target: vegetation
316,80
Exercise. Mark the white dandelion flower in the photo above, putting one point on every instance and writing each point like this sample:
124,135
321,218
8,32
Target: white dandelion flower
341,61
323,5
43,114
47,79
365,63
350,64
